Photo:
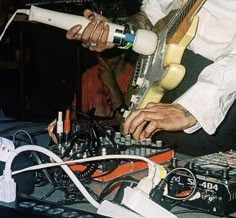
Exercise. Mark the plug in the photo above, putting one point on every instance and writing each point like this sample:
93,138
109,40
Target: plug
59,123
145,185
59,130
7,188
139,202
6,147
156,173
157,195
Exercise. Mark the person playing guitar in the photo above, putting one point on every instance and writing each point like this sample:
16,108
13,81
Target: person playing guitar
201,115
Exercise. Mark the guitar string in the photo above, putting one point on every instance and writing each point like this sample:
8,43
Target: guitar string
179,16
172,25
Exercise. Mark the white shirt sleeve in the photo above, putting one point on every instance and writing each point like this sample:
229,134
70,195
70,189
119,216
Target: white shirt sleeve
157,9
211,97
213,94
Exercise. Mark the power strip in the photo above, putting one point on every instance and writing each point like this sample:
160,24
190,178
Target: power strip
29,207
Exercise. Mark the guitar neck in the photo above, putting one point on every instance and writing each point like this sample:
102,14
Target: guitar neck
181,21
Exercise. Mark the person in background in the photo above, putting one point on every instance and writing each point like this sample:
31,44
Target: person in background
104,85
200,118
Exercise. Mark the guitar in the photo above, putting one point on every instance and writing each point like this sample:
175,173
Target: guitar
157,73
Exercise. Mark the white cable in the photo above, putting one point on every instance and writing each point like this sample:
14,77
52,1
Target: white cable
47,152
90,159
19,11
69,172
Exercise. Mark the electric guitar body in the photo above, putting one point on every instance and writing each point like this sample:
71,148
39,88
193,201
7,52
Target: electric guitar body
157,73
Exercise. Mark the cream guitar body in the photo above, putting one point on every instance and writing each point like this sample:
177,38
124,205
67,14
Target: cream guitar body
160,72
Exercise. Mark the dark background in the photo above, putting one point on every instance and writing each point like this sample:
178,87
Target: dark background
39,68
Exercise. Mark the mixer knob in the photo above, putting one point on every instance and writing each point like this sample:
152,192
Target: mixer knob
191,165
225,173
174,162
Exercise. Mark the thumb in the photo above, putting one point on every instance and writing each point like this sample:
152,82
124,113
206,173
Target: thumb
89,14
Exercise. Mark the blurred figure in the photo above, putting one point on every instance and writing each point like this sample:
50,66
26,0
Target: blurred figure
104,86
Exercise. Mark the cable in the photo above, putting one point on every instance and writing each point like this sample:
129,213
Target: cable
99,126
45,151
194,183
117,181
19,11
69,172
89,159
160,190
19,131
35,155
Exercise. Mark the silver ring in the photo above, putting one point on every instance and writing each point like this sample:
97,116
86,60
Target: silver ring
92,44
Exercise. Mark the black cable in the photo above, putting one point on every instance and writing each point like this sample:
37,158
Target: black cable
100,128
108,188
93,143
34,154
92,146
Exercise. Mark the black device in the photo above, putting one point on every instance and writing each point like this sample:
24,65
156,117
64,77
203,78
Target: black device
29,207
216,183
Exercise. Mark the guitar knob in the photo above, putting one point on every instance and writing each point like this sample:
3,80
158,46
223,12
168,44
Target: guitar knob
134,99
139,81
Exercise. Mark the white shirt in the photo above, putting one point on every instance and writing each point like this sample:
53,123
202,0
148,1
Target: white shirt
215,91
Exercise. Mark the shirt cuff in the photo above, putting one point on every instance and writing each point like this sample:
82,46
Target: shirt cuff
205,110
193,129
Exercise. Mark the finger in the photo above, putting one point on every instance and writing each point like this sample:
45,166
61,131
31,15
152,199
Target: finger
88,31
97,33
73,33
138,133
104,37
139,119
157,130
85,44
150,129
127,123
89,14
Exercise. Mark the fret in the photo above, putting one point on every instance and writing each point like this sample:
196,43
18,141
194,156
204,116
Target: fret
178,18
